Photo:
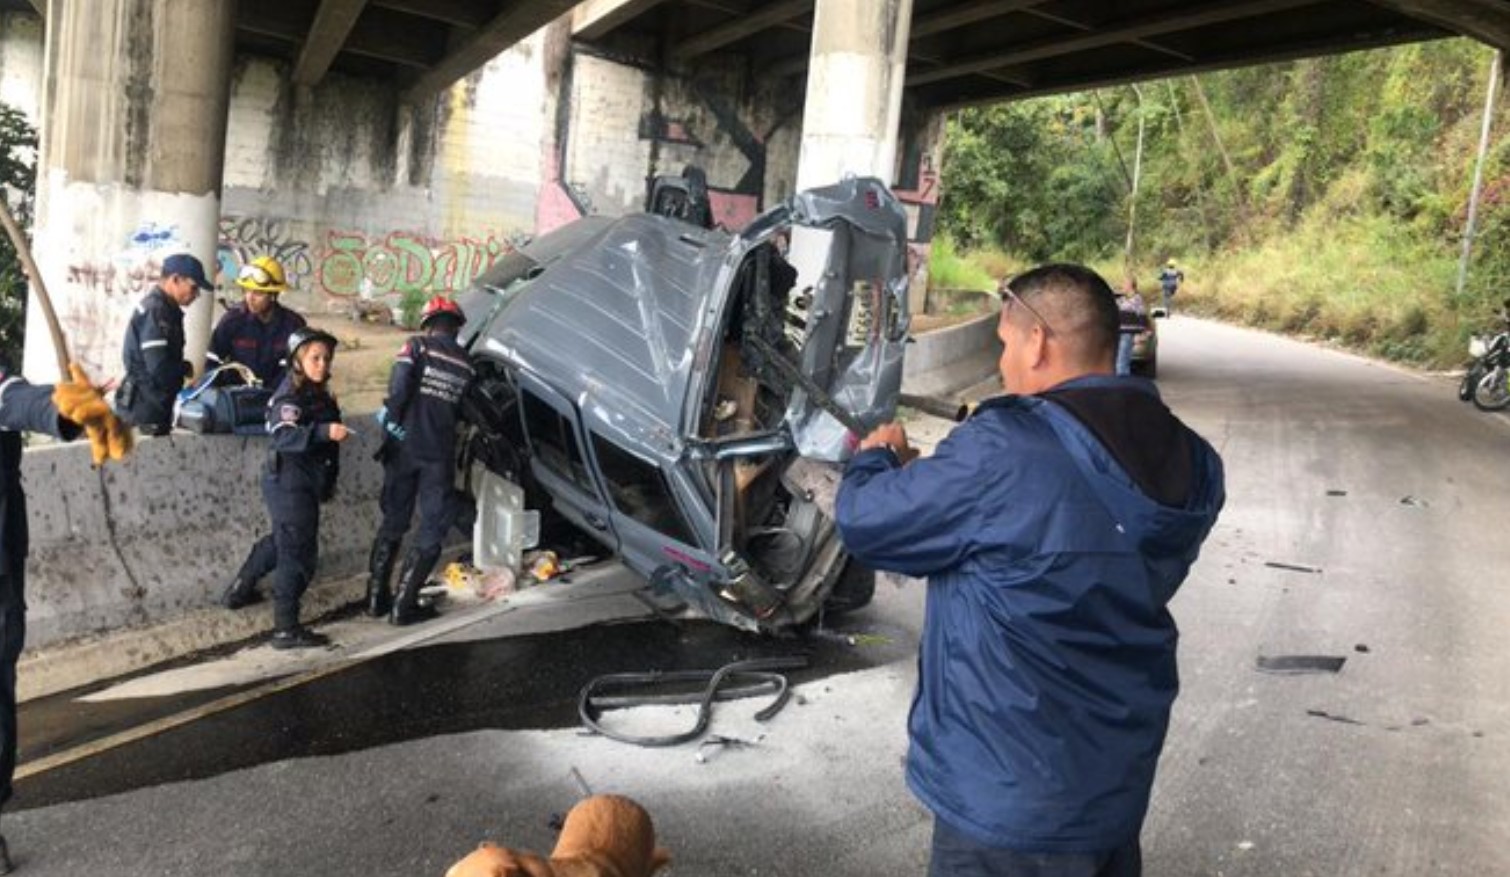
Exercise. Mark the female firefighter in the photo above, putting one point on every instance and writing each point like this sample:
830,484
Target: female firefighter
304,423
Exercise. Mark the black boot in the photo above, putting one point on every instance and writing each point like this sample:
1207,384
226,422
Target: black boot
240,593
5,866
380,571
288,633
298,637
407,608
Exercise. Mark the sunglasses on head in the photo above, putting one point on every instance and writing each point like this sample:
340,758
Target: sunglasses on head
1011,298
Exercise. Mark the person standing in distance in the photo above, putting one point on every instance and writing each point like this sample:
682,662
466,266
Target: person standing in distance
154,347
1053,526
1170,279
255,333
303,461
419,419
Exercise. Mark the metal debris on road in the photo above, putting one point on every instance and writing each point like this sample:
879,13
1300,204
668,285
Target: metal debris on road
1331,717
1413,502
1336,493
1292,567
1296,664
722,742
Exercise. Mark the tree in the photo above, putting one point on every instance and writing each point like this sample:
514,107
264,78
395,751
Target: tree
18,184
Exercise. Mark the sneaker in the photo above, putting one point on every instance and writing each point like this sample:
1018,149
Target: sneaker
299,638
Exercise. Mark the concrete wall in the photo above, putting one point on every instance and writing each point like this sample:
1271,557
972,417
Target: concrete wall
146,541
949,360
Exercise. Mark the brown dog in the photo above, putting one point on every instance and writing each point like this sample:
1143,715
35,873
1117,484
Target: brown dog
604,836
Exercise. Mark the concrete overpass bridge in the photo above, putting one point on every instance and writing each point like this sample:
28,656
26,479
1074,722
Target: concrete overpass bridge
395,147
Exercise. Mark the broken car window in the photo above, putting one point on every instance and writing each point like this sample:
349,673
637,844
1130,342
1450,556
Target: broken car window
554,441
638,490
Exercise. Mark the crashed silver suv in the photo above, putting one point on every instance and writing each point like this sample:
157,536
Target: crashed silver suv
687,397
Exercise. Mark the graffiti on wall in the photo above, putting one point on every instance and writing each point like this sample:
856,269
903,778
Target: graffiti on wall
354,263
246,237
347,264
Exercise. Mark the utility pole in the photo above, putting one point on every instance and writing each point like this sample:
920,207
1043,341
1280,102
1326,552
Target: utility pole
1478,171
1137,175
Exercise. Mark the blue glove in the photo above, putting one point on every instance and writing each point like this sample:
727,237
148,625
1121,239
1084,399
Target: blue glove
392,428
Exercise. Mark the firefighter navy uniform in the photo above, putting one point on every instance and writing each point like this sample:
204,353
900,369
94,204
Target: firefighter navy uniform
260,346
302,465
419,416
154,360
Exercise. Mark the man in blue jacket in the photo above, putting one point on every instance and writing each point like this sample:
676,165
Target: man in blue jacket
1054,526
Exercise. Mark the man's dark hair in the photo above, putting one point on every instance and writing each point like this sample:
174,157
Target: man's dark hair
1078,305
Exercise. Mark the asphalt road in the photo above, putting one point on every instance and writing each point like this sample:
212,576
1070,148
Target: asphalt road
1365,522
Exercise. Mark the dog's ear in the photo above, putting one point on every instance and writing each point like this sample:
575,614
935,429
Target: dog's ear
659,858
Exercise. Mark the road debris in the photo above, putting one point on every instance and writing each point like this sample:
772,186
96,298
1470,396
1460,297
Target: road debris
1293,567
1413,502
1298,664
716,742
1331,717
757,677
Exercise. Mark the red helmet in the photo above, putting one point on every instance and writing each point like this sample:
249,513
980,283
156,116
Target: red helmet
440,306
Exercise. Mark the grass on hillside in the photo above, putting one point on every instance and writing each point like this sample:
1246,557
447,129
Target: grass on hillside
1357,282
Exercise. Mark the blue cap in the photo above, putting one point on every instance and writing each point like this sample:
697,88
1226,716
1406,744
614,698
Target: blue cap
185,265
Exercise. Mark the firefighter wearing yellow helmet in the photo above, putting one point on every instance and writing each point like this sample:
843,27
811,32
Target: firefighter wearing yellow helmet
255,333
1170,279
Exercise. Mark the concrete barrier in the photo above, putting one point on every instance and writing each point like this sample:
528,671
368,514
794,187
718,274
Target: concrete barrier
150,540
948,360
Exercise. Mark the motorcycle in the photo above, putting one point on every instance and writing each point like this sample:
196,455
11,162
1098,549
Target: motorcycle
1487,383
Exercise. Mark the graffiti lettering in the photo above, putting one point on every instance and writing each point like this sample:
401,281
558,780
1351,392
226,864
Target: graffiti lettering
111,279
245,238
403,262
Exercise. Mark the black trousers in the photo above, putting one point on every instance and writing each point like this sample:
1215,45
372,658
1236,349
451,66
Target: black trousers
12,641
955,855
405,481
293,504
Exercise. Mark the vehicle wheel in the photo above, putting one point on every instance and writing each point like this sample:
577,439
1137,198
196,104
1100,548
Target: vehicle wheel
854,589
1492,392
1470,380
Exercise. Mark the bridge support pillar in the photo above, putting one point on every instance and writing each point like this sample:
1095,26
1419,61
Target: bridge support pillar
132,151
854,90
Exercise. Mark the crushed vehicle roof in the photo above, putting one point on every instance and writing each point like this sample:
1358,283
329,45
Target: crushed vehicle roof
621,312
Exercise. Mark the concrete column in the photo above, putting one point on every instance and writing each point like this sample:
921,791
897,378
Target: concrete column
133,146
854,90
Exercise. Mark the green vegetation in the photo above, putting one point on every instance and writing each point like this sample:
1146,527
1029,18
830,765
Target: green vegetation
18,182
1324,197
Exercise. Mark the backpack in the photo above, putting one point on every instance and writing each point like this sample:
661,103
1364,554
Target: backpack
226,400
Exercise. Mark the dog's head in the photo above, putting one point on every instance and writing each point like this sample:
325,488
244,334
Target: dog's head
491,860
609,835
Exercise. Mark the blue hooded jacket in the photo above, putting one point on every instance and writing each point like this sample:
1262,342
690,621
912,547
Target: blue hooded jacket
1046,671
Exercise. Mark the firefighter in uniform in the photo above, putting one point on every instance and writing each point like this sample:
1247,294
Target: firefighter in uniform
304,423
154,348
59,411
419,420
256,332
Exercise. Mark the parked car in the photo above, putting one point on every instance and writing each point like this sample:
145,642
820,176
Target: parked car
687,398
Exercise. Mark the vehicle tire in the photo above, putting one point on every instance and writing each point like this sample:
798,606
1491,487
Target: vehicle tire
1470,380
1492,392
854,589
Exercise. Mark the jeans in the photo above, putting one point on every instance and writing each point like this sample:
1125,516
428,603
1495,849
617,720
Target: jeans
955,855
1124,353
